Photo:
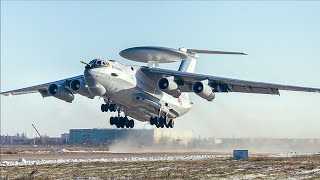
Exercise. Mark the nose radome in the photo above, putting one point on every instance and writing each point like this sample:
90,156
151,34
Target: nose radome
90,73
91,77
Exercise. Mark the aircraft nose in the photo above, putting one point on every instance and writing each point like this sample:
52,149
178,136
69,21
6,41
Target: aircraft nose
90,73
91,76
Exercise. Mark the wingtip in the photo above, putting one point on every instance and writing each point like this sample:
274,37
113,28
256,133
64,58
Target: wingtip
5,94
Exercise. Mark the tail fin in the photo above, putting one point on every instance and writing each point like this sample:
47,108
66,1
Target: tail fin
188,65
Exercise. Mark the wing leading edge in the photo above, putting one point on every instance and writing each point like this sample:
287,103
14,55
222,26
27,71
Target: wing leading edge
221,84
42,88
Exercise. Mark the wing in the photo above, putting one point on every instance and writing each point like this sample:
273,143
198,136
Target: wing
42,88
185,81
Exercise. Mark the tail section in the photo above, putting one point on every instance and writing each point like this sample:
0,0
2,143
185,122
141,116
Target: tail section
189,64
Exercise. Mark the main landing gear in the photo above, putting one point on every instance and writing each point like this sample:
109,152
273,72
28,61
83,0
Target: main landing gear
162,122
120,122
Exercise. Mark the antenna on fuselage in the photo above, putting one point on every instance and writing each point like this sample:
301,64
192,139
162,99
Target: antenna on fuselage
153,56
85,63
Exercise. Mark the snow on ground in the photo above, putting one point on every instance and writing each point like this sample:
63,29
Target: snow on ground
293,154
62,150
79,151
312,171
123,159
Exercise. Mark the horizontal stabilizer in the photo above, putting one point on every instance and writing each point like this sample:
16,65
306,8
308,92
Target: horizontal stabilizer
213,52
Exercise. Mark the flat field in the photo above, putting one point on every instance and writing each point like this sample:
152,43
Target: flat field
65,164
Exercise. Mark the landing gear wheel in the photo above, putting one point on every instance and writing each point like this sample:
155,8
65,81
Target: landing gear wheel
167,125
117,122
161,122
131,123
113,107
112,121
171,123
153,121
104,107
121,122
126,120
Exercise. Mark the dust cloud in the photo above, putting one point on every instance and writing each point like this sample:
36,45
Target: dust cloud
220,145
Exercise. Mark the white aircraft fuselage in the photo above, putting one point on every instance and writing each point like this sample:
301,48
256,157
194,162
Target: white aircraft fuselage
138,96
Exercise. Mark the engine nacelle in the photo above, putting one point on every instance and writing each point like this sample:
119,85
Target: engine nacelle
169,86
79,86
60,92
203,90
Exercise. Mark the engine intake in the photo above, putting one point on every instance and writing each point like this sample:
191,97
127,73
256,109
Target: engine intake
169,86
203,90
79,86
60,92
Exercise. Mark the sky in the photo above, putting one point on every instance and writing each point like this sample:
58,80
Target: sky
44,41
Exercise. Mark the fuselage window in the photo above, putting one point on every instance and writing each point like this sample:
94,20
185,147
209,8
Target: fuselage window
98,62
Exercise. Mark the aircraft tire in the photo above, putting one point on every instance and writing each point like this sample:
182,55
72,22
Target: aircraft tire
102,108
131,123
112,121
118,124
152,120
162,122
156,121
121,122
113,107
127,122
171,123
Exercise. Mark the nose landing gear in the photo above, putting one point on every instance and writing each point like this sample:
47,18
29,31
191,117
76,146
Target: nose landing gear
120,122
109,107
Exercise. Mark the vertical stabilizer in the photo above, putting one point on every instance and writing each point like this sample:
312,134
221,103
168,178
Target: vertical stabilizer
188,65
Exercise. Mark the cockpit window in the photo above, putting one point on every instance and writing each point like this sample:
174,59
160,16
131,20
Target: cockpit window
99,62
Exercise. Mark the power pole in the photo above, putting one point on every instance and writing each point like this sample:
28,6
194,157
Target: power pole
42,139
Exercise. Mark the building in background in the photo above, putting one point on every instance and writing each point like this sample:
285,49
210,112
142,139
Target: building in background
65,138
139,136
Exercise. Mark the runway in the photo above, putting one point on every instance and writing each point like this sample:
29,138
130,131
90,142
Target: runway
100,164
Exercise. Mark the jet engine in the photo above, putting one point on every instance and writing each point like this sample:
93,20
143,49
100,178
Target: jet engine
203,90
60,92
79,86
169,86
